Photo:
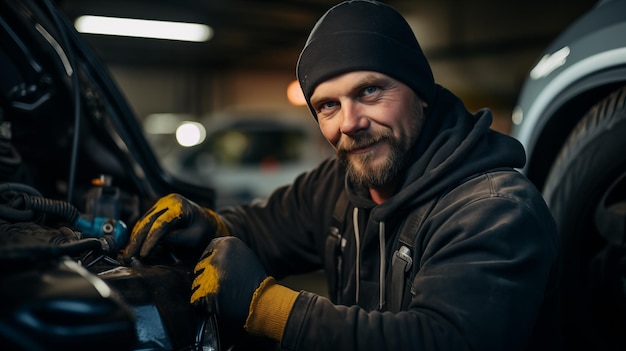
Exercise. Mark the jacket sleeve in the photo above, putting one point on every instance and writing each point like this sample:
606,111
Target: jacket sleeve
481,279
287,231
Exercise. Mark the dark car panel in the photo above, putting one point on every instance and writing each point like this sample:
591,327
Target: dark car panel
571,118
595,66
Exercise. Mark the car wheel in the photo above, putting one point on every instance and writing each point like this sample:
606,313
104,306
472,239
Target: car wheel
586,192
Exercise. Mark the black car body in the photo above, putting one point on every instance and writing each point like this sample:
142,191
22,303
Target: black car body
75,174
571,118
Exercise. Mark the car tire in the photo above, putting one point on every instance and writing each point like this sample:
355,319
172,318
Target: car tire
586,192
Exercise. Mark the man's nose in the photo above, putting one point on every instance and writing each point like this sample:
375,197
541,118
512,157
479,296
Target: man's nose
352,120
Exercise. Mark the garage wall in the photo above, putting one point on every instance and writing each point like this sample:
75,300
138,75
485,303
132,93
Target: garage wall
179,90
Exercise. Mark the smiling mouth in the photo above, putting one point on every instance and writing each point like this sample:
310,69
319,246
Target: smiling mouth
362,146
363,149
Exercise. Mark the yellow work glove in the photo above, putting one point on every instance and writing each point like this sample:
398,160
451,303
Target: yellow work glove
231,283
177,221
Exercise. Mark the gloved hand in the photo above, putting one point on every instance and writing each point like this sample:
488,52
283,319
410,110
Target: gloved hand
231,283
225,279
178,221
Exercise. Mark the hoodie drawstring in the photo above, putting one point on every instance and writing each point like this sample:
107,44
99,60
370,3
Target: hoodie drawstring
355,221
381,274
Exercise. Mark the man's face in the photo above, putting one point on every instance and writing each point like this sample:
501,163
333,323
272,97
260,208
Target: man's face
371,120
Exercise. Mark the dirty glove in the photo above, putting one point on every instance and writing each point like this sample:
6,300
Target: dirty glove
231,283
179,222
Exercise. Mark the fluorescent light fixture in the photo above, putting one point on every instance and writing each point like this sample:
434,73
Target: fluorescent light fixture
139,28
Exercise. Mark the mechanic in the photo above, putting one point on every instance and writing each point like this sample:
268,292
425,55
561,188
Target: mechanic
429,237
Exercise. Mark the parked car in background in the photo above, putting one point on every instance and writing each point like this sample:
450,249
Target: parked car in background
246,155
571,118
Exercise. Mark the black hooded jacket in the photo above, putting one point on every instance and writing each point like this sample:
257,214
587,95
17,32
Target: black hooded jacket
484,259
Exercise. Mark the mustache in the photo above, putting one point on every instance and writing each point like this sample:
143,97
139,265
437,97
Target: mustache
349,144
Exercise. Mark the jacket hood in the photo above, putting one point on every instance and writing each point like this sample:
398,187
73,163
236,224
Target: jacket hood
454,144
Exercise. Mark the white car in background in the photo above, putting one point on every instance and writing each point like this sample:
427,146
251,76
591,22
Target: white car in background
246,155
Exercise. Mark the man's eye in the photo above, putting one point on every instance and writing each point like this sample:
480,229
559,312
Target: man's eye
328,105
370,90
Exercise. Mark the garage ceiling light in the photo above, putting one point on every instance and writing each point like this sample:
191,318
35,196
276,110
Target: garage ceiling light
143,28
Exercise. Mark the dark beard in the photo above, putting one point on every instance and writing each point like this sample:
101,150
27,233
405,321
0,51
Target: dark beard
360,173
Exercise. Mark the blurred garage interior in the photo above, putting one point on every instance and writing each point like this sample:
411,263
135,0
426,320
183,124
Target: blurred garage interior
482,50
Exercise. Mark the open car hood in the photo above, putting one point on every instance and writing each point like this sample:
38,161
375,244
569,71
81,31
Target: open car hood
64,120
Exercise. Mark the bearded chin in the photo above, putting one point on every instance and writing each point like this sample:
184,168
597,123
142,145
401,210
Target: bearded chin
363,173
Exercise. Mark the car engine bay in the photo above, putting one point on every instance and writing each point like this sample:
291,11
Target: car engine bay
75,175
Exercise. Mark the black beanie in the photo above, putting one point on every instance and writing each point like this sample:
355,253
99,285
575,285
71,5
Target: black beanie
363,35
